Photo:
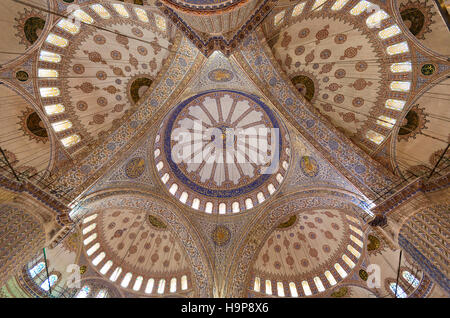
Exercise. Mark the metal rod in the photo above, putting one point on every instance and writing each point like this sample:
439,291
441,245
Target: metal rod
437,163
9,165
46,269
398,272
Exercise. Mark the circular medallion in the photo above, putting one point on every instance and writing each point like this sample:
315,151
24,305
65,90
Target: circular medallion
221,235
222,151
220,75
22,76
135,168
428,69
309,166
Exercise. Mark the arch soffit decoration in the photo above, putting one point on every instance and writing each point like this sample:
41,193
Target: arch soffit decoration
30,51
32,102
79,151
421,93
395,8
141,120
265,223
180,225
245,55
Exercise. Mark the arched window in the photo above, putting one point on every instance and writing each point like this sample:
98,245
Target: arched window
103,293
400,292
410,278
36,269
52,279
84,292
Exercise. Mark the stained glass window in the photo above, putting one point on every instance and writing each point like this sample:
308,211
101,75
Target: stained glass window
84,292
70,141
195,203
101,11
280,289
340,270
106,267
268,287
138,283
293,289
141,14
52,279
90,239
49,57
98,258
410,278
160,22
348,261
183,197
126,280
184,282
49,91
161,286
89,228
54,109
330,278
93,249
120,9
90,218
62,125
385,121
400,292
68,26
306,288
375,137
83,16
353,251
298,9
149,287
248,203
57,40
319,284
400,86
389,32
103,293
352,219
208,207
115,274
360,7
398,48
338,5
375,19
36,269
356,230
317,4
173,285
395,104
278,17
401,67
165,178
356,241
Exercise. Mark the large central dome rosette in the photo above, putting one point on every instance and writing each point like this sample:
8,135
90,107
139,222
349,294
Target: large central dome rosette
222,152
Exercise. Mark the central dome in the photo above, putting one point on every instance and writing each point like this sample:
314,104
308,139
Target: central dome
222,152
204,5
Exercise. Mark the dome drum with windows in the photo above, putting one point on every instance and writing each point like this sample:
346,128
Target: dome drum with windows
222,152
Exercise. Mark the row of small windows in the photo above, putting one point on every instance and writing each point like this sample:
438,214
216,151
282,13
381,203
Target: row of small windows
235,206
317,281
47,283
398,291
59,41
85,292
399,48
116,273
